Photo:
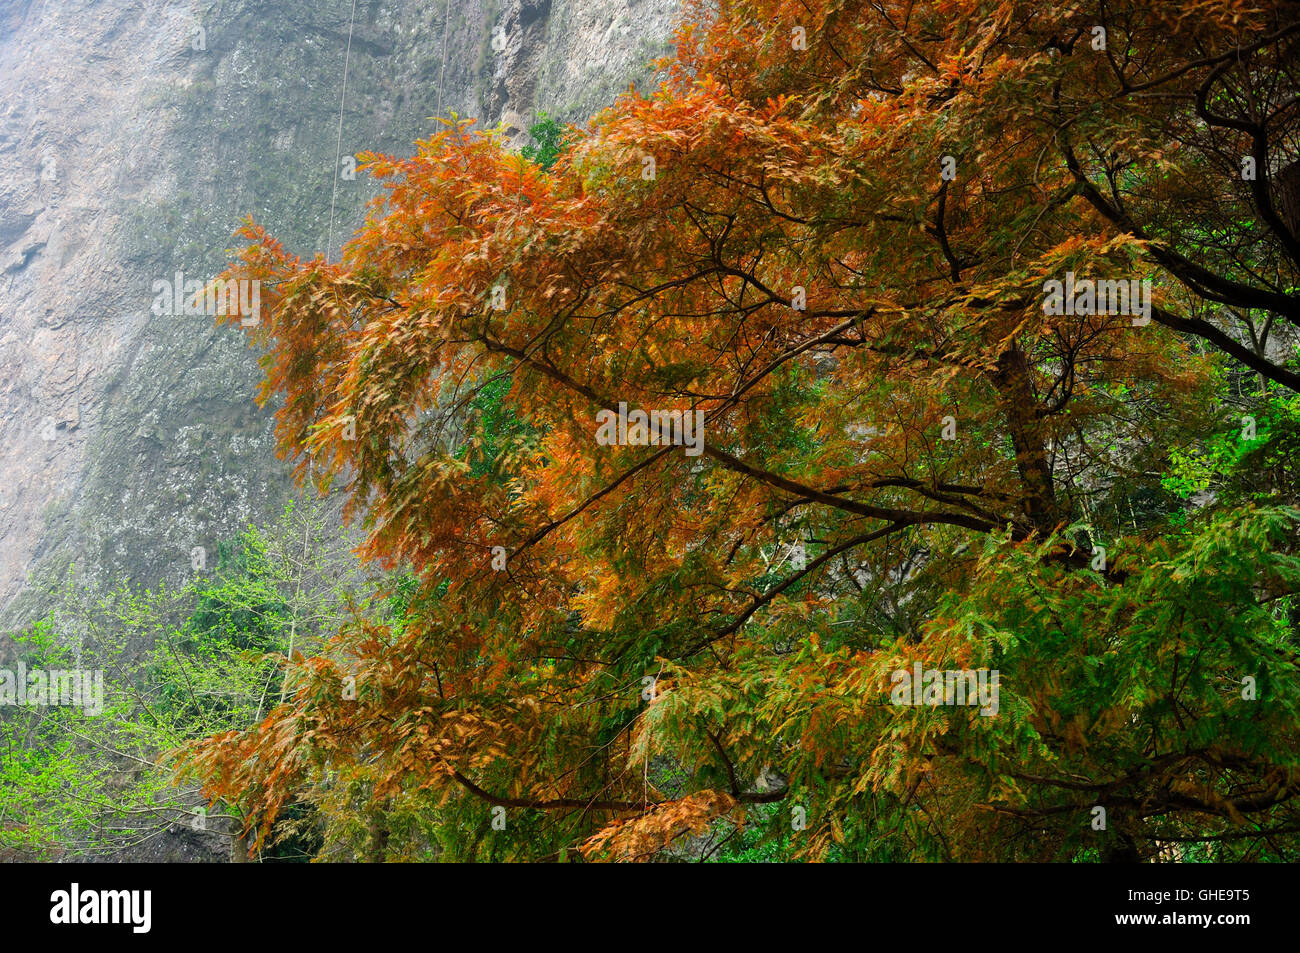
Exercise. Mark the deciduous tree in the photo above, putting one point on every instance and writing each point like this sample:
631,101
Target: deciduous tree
831,229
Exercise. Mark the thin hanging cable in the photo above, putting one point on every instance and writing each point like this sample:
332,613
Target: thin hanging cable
338,146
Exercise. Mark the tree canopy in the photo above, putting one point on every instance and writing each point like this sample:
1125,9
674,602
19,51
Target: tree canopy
832,231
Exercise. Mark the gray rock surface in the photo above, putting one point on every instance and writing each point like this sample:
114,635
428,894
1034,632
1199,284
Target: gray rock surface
134,137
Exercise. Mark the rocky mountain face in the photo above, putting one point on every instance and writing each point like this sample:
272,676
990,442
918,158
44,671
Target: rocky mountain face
134,137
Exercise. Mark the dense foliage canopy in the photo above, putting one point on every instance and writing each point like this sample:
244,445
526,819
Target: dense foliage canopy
831,231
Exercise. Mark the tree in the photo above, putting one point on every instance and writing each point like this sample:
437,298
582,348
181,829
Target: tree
174,663
845,236
547,141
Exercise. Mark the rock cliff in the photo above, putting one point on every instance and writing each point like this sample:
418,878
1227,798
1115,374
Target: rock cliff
134,136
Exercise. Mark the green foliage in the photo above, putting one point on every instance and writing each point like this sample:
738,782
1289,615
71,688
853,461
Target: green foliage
1231,456
177,664
548,141
498,437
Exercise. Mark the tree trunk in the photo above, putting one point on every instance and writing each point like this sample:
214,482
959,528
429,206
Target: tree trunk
239,848
1013,383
